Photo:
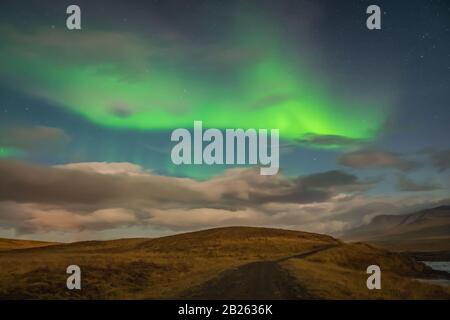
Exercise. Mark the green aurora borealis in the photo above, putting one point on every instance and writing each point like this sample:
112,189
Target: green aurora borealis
86,116
6,152
257,83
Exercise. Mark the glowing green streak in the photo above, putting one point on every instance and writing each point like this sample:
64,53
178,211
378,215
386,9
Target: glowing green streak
6,152
269,91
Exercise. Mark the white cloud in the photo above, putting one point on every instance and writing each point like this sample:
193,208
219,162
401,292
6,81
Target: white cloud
76,198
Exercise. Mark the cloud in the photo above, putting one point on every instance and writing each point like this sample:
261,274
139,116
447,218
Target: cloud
22,182
406,184
28,218
180,219
121,168
34,139
101,196
122,110
96,182
78,198
440,159
364,159
120,51
243,187
97,47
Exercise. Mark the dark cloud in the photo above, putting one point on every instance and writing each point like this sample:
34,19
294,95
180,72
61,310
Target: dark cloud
329,179
22,182
441,159
248,188
364,159
106,195
321,187
102,182
110,196
404,183
34,139
121,110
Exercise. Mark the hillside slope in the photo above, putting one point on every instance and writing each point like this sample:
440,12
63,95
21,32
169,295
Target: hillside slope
236,261
13,244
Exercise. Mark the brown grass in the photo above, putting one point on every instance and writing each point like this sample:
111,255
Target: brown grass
143,268
165,267
13,244
339,273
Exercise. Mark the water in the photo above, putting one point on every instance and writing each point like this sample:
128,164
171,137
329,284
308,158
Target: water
440,266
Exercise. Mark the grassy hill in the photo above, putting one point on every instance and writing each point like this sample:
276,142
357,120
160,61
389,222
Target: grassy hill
13,244
287,264
340,274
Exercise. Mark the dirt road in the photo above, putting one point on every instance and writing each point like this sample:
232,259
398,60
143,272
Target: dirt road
256,280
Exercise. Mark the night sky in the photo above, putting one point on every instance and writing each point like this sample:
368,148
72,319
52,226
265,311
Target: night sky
86,115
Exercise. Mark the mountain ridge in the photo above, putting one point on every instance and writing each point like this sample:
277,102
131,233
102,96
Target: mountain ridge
411,231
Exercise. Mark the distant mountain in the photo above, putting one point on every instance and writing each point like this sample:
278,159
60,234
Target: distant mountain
426,230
